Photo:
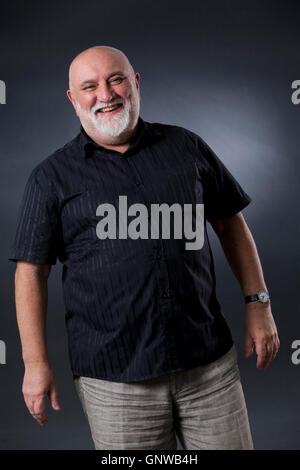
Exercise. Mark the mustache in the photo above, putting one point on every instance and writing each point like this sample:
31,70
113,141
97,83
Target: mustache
97,106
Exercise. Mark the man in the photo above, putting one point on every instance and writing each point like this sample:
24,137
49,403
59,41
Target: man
150,350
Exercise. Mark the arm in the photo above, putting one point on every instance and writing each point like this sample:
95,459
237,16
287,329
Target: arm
241,253
31,295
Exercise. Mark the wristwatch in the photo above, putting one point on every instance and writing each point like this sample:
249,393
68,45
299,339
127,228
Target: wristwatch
262,296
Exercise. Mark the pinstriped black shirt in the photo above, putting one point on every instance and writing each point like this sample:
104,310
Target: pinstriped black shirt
136,308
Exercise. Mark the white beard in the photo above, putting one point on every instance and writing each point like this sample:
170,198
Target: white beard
112,125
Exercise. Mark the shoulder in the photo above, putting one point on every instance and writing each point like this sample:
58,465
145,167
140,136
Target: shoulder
187,142
52,165
169,129
180,132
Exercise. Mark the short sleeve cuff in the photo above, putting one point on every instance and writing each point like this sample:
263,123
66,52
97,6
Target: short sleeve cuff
232,210
31,258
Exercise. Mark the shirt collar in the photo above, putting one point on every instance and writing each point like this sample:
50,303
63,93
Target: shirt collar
145,131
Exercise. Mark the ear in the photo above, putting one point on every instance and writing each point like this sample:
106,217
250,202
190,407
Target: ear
70,96
137,79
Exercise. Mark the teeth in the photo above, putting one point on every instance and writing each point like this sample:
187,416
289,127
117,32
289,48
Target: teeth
109,108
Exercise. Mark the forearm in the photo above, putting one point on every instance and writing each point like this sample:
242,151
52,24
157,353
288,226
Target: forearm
31,295
241,253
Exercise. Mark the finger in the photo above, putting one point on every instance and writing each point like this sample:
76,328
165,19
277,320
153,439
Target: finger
277,343
39,404
275,346
261,351
40,418
54,398
270,353
28,402
38,413
274,350
270,350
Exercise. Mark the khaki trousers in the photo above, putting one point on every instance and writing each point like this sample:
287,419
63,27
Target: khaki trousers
204,406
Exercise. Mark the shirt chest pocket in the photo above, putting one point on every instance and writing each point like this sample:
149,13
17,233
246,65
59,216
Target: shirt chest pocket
179,185
75,222
79,221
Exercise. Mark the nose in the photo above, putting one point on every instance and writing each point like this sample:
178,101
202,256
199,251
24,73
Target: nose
104,93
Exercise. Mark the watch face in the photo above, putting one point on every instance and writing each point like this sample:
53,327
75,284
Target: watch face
263,296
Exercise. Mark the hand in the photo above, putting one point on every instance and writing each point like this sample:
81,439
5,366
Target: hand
39,383
261,331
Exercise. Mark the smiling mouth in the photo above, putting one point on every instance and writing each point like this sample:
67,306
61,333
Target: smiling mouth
109,109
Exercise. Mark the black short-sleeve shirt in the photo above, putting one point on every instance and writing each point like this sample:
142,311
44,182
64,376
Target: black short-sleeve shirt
136,307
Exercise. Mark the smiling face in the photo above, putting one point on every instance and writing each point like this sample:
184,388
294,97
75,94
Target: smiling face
104,91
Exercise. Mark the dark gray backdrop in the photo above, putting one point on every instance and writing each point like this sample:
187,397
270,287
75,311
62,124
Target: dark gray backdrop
224,70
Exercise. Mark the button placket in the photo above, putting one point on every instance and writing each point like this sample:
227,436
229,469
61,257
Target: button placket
167,294
135,173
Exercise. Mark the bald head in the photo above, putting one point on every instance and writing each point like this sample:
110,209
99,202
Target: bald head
102,77
97,54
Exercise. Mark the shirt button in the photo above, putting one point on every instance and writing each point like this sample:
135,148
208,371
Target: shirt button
137,182
158,256
166,294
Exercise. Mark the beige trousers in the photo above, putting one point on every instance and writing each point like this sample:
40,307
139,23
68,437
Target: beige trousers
204,406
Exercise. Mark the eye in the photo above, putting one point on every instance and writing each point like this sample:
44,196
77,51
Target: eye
118,79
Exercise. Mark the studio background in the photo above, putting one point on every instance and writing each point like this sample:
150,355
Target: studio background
222,69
